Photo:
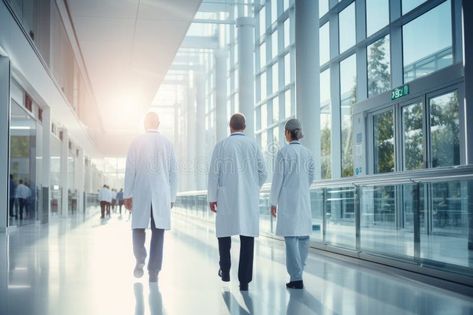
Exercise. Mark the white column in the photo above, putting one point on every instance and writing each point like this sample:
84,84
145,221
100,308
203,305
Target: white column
80,175
308,74
64,173
189,139
4,141
199,131
45,180
246,71
221,115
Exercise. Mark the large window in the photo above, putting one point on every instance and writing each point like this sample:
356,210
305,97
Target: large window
262,21
347,31
324,44
413,136
444,130
408,5
383,137
377,15
325,124
379,68
323,7
347,98
427,43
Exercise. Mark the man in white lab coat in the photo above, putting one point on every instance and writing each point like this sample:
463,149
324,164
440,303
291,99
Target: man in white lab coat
236,174
150,193
22,193
103,197
290,200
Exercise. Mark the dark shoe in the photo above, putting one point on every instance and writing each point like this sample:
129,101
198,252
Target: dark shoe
138,272
153,277
225,276
295,285
243,286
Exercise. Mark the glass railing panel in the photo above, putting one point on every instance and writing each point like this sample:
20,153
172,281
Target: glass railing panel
451,221
386,225
340,217
317,206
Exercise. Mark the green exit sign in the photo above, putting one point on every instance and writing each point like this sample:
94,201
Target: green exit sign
400,92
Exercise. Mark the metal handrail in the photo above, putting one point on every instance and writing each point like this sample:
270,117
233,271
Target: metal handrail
431,175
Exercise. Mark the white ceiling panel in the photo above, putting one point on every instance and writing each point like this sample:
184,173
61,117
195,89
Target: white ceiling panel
127,47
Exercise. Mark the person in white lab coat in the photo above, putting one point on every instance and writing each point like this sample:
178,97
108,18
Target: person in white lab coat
236,174
22,193
103,197
290,200
150,193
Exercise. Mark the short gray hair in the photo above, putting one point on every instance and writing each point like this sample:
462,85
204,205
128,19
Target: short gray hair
151,120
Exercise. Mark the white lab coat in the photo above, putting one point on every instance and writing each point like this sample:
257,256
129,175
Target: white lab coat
108,196
22,191
236,174
290,190
103,194
151,180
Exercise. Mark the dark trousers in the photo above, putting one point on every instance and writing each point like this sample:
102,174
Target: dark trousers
12,207
22,207
103,205
245,267
155,261
107,208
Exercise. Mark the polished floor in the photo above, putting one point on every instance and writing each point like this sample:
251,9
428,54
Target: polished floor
77,266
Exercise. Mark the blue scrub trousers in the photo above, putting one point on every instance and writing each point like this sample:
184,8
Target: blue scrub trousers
297,249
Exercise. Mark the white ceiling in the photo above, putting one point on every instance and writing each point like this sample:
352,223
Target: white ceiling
127,47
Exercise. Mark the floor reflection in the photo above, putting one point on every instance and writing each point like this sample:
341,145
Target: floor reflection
70,268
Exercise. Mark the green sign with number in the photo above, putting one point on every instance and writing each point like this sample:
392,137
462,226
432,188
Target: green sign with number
400,92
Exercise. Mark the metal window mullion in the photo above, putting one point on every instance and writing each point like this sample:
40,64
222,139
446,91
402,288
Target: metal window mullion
416,223
324,216
335,99
361,62
357,209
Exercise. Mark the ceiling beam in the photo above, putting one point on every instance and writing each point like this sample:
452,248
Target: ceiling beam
200,42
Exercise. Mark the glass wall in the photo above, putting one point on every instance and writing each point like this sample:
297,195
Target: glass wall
325,124
427,44
379,49
23,155
274,64
413,136
383,137
55,175
348,98
377,15
347,28
424,223
379,67
445,130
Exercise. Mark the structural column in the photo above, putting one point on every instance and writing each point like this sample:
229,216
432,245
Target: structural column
246,71
189,115
308,74
45,180
4,141
80,175
221,115
64,173
199,135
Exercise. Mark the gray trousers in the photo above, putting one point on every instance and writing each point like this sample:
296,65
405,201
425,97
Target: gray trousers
297,249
